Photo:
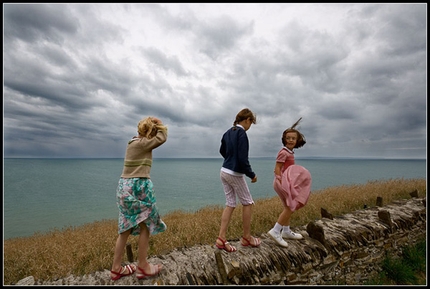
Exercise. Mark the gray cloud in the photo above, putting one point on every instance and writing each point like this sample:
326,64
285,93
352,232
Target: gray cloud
37,23
79,77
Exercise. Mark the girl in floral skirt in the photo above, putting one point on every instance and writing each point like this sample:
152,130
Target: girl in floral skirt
138,213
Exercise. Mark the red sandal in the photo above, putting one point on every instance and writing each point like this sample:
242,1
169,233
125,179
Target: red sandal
130,270
223,246
142,274
257,242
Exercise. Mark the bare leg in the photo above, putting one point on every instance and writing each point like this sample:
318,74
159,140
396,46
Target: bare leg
121,241
285,217
225,220
246,221
143,243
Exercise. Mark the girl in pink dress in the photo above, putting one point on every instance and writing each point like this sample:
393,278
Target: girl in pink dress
292,183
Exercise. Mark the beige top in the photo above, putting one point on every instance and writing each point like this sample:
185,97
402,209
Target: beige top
138,156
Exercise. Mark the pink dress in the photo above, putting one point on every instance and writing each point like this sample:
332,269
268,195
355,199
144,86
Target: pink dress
294,185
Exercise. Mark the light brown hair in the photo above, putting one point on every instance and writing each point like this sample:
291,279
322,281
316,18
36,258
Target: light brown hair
245,114
300,137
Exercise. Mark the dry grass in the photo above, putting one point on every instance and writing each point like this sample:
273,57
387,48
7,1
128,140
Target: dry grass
89,248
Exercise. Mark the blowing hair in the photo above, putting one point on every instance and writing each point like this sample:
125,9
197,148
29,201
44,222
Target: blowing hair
245,114
148,128
300,137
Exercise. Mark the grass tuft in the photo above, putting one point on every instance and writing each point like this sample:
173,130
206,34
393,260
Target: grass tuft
397,271
415,257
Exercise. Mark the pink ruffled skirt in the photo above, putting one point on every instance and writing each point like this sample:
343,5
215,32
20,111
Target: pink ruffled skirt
294,187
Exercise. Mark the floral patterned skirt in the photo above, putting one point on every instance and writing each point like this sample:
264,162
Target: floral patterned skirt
136,202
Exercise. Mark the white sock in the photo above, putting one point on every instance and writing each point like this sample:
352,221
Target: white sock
286,229
277,228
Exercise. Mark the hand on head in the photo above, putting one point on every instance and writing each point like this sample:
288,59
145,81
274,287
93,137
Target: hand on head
156,120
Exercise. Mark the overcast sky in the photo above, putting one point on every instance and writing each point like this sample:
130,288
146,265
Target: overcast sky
77,78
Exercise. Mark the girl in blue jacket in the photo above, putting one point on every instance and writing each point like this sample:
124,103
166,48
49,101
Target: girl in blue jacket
234,149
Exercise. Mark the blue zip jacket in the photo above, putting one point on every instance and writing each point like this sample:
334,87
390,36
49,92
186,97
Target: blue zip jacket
234,149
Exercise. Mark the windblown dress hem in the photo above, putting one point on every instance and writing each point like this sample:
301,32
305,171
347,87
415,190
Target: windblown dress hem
137,203
293,187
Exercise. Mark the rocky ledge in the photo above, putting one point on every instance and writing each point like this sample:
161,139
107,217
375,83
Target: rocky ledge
336,250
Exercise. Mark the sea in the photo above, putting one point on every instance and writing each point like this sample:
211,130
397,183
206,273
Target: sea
42,195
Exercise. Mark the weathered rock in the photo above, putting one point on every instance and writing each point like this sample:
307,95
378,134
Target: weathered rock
326,214
26,281
414,194
316,232
385,217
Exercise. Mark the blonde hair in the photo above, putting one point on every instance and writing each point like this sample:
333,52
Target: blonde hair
147,127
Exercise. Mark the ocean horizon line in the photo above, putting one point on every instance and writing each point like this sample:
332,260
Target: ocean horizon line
220,158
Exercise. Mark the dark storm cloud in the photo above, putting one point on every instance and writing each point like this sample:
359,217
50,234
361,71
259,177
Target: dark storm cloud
79,77
35,22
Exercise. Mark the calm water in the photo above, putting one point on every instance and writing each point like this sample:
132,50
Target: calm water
45,194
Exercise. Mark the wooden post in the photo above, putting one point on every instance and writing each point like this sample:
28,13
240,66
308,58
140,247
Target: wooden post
129,253
379,201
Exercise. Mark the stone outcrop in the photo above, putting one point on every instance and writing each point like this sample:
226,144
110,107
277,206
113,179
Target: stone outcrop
337,250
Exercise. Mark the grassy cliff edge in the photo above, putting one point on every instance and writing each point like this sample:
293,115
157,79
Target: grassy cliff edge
88,248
